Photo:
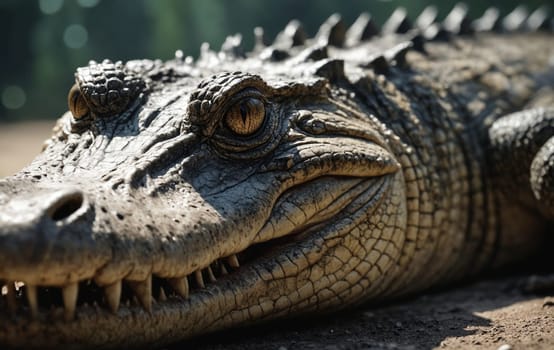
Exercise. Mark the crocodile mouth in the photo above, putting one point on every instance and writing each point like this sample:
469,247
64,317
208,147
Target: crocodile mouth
20,302
42,303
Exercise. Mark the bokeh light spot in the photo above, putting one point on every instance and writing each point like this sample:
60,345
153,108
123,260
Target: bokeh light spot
13,97
49,7
88,3
75,36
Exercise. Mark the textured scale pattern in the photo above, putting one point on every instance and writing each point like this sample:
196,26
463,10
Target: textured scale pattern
385,161
109,87
211,93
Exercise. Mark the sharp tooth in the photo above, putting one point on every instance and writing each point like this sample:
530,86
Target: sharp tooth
143,291
162,296
223,269
233,261
12,304
180,285
33,301
113,295
70,294
199,279
211,274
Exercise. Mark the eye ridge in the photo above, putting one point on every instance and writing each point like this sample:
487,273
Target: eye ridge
246,116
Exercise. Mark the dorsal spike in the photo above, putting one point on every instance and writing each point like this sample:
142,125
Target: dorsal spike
488,22
292,35
332,31
179,55
515,20
434,32
205,48
295,30
207,55
398,22
232,46
538,19
260,40
457,21
426,18
362,29
330,68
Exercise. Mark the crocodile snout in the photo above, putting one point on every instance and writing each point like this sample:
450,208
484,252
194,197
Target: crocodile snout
66,203
40,228
46,206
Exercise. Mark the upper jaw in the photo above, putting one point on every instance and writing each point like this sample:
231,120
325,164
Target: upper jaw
54,234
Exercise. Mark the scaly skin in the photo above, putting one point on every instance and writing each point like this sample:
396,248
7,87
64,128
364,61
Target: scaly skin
177,198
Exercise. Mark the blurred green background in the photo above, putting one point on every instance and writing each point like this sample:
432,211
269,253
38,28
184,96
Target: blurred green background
43,41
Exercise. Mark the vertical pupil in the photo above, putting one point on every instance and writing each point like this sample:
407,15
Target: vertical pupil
76,96
244,111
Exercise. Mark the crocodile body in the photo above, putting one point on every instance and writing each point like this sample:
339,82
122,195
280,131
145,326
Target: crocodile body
182,197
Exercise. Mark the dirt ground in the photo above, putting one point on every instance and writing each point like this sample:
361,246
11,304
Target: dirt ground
494,313
491,314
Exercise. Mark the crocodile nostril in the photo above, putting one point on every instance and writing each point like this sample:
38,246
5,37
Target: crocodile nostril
66,206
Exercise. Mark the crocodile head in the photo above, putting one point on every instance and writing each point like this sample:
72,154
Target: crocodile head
178,198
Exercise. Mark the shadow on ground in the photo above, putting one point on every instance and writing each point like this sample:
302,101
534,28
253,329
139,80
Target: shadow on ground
483,315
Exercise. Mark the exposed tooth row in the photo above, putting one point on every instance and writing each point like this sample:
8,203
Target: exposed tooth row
199,278
180,285
161,295
112,293
211,276
233,261
70,293
142,290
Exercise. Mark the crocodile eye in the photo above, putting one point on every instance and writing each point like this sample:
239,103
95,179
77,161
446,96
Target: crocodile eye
246,116
77,103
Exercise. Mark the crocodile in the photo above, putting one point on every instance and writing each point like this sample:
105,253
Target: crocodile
308,175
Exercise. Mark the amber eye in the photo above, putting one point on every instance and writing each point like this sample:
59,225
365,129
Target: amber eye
246,116
76,102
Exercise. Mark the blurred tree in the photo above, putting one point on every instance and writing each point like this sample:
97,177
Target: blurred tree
45,40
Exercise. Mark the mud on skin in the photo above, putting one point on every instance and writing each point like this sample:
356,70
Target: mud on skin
182,197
